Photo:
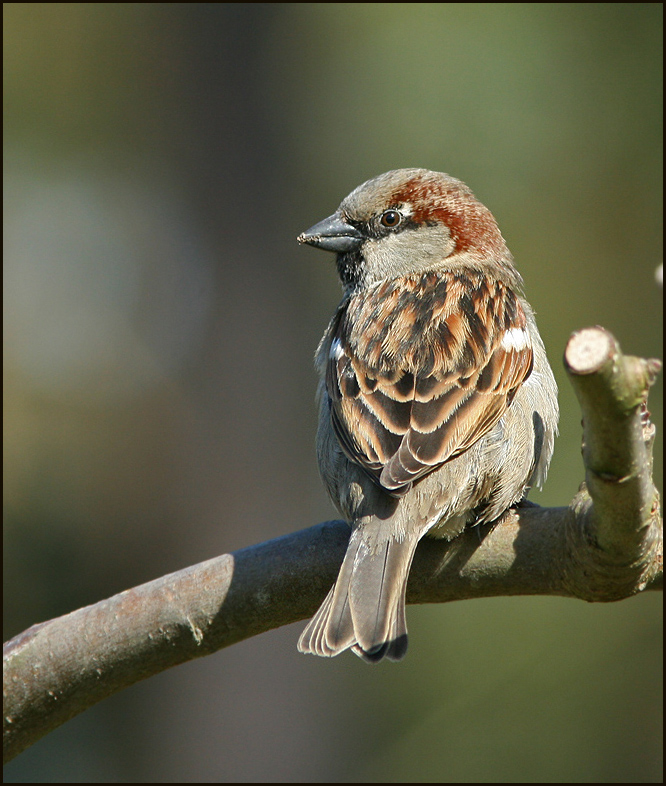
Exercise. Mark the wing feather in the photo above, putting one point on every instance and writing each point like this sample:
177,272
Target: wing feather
422,384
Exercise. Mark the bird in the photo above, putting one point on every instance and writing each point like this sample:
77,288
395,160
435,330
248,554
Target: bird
437,405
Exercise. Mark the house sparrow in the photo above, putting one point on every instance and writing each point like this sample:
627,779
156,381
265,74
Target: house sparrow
437,405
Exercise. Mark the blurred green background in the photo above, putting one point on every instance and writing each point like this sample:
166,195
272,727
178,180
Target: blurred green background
160,323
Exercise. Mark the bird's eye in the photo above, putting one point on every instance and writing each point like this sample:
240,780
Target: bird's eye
390,218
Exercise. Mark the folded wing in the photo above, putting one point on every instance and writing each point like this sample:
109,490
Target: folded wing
420,368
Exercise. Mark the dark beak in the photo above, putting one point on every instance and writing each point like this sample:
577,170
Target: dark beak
333,234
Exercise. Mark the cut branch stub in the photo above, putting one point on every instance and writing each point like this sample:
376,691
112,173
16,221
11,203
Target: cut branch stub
622,517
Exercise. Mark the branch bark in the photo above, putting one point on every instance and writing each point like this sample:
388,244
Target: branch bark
605,546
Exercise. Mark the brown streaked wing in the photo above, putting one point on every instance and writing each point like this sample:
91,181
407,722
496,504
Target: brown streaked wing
450,424
399,425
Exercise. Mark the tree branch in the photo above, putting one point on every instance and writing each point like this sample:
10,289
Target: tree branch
605,546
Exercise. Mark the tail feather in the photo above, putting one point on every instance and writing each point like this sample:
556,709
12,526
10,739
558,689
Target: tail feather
398,647
365,609
311,639
331,630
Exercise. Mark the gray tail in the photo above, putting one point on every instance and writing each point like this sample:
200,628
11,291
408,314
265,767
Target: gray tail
365,609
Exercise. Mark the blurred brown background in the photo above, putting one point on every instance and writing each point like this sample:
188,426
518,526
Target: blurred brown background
160,323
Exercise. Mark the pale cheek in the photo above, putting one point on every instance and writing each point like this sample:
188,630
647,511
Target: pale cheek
407,252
